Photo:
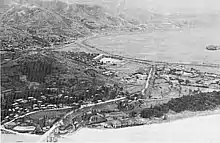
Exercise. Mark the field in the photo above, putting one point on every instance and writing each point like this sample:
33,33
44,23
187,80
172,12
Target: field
49,113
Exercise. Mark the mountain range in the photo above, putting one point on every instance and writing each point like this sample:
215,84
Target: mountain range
44,22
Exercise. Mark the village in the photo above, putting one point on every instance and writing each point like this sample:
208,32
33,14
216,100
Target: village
71,65
50,105
141,85
53,99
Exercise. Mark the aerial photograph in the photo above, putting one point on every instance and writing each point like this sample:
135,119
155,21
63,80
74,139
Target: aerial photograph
110,71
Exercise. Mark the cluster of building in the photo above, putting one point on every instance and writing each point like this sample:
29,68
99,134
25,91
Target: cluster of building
107,116
8,55
52,99
139,78
37,122
98,60
26,104
84,57
190,77
107,60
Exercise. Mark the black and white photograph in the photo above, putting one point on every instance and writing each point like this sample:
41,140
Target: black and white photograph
110,71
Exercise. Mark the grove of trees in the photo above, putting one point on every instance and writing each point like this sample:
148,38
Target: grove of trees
197,102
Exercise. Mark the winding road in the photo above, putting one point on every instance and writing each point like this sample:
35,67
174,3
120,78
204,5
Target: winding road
78,112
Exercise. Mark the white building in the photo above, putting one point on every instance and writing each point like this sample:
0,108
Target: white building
109,61
98,57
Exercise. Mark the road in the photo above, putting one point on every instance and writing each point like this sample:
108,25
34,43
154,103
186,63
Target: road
77,112
149,82
83,43
34,112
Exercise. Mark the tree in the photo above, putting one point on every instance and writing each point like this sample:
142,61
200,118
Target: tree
120,105
165,117
187,82
133,114
148,113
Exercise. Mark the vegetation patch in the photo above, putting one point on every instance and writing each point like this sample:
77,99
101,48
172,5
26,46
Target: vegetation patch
198,102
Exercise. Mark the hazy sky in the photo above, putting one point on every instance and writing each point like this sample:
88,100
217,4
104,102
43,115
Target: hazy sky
162,5
167,5
177,5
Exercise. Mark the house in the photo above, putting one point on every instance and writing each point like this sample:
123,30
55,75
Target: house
175,81
23,78
50,106
35,108
10,125
98,57
141,76
65,129
187,74
127,122
24,129
179,72
116,124
30,98
19,100
106,125
33,85
15,104
108,73
7,91
96,119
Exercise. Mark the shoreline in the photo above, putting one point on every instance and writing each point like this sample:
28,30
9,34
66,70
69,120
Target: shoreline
171,118
85,42
175,117
134,130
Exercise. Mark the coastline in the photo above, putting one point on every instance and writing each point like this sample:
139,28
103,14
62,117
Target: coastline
85,43
175,117
172,117
158,132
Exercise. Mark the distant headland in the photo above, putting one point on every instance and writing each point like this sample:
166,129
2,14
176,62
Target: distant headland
213,47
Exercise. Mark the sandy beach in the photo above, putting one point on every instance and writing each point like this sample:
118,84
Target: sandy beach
15,138
204,129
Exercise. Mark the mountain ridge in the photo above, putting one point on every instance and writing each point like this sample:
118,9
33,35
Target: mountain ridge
55,22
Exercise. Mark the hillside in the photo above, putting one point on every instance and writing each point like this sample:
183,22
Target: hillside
29,70
53,78
44,23
32,23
